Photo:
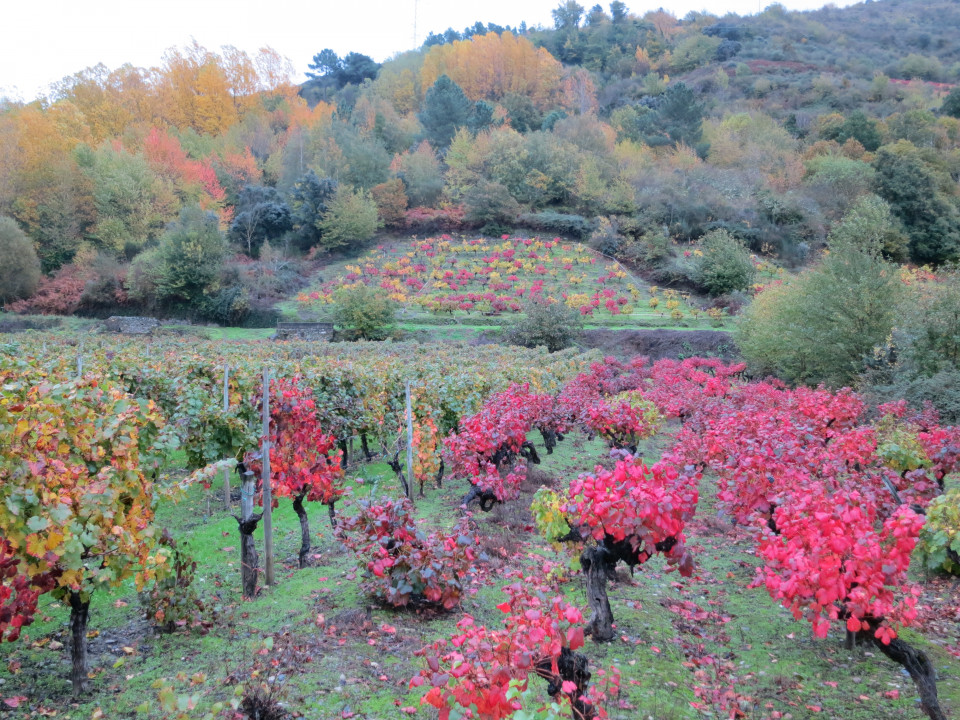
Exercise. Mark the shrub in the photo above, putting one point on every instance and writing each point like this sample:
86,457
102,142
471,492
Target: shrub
823,324
556,223
650,248
173,602
606,238
56,295
363,313
490,202
433,220
939,544
351,218
191,256
19,264
405,564
951,104
551,325
725,265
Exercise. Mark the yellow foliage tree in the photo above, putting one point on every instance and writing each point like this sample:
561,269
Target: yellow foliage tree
490,66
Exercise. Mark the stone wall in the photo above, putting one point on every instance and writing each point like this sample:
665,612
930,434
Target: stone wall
131,325
316,332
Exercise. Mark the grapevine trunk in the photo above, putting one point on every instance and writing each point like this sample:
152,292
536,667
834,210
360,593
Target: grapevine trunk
304,527
79,614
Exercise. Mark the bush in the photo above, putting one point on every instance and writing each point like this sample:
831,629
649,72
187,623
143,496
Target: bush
434,220
19,264
544,324
555,223
191,256
823,325
922,361
173,602
490,202
351,218
56,295
648,248
228,306
724,266
363,313
405,564
939,544
606,239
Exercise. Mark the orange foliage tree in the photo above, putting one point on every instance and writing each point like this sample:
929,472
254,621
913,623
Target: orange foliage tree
490,66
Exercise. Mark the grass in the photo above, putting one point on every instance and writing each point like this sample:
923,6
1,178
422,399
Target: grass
358,669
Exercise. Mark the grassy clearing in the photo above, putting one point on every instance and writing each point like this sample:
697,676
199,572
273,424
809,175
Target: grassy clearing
356,666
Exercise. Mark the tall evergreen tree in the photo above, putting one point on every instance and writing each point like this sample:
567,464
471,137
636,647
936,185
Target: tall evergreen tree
445,108
309,201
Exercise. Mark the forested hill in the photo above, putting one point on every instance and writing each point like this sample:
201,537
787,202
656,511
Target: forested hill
205,185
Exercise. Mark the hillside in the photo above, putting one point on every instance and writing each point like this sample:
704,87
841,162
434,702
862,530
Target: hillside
640,134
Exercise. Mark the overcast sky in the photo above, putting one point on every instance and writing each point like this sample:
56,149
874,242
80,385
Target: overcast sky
46,40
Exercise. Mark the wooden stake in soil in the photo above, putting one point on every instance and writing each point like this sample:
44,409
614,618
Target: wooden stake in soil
267,500
409,446
226,408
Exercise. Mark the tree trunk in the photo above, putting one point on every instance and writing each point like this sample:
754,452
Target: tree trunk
595,561
304,527
920,668
365,446
249,559
345,451
79,614
440,478
333,516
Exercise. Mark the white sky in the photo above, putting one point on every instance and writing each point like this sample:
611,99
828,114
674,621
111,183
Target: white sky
46,40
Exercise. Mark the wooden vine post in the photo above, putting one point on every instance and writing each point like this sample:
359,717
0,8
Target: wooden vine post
265,476
226,409
409,445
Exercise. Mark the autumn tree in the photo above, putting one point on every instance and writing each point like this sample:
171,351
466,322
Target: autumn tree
195,91
350,219
491,66
52,196
191,256
133,203
421,173
391,202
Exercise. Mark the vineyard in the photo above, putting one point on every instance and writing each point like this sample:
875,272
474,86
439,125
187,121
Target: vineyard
463,532
477,280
